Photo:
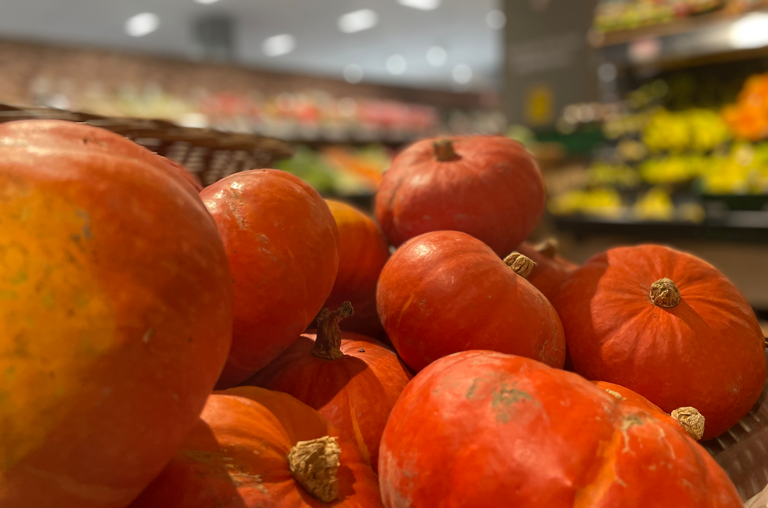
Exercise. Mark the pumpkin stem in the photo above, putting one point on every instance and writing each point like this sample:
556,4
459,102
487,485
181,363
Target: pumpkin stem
444,151
328,341
314,465
521,265
691,420
664,293
547,248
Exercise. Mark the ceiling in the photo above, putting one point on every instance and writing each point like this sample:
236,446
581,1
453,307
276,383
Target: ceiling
459,26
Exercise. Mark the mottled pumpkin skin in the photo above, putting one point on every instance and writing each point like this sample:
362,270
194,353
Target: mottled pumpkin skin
446,291
362,253
707,352
494,192
115,315
550,273
481,428
283,247
354,393
236,457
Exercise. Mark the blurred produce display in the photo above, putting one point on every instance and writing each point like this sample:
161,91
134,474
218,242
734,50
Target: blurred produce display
613,15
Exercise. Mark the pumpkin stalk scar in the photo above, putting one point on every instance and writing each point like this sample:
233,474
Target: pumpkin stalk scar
328,341
444,151
691,420
521,265
548,248
664,293
315,464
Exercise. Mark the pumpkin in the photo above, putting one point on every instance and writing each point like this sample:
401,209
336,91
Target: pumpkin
283,247
551,271
668,326
445,292
253,448
481,428
486,186
352,380
114,286
363,251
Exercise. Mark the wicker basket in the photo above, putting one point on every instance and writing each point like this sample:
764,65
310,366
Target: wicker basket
209,154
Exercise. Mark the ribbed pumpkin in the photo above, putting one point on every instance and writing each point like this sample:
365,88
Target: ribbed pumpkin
254,448
283,247
352,380
551,271
480,428
115,315
446,291
486,186
363,250
668,326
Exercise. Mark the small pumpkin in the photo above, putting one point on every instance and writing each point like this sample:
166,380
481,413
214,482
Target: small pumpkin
481,428
668,326
551,271
352,380
445,292
253,448
363,250
283,247
485,186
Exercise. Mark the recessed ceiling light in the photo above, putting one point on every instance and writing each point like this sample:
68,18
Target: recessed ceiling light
496,19
206,2
462,74
436,56
278,45
424,5
396,64
142,24
353,73
357,21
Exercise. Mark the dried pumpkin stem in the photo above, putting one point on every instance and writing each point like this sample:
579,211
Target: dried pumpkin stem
314,464
691,420
548,248
328,341
664,293
521,265
444,151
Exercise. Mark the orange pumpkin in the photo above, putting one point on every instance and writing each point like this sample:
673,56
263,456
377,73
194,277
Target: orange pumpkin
352,380
115,315
480,428
255,448
363,250
668,326
283,247
551,271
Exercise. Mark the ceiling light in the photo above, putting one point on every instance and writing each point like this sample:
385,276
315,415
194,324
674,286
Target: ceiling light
353,73
496,20
142,24
436,56
462,74
278,45
396,64
206,2
424,5
750,31
358,21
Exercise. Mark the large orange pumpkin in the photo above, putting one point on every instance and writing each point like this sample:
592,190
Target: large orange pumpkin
352,380
480,428
283,247
115,315
362,253
446,291
668,326
486,186
551,271
256,448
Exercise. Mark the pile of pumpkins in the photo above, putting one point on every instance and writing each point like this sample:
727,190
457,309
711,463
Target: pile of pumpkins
251,344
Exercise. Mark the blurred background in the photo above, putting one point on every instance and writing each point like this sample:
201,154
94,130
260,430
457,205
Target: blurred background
649,118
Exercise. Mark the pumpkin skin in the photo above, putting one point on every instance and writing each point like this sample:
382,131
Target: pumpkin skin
526,435
115,286
363,251
354,392
283,248
446,291
551,271
236,458
491,189
707,352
